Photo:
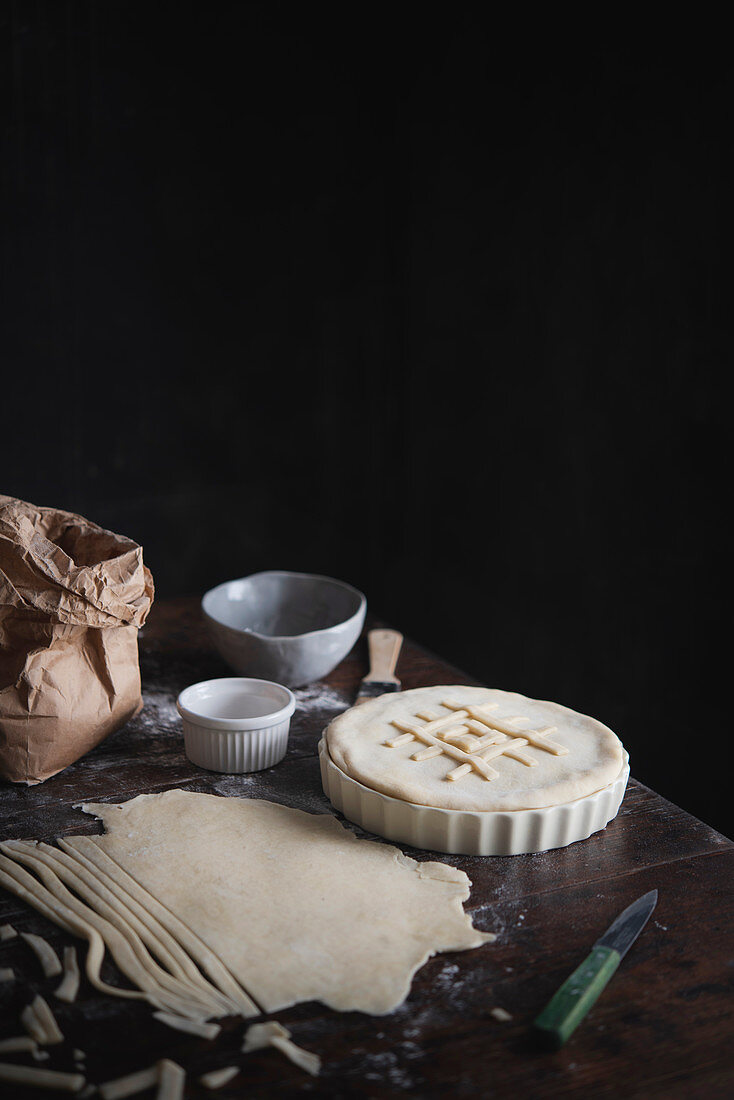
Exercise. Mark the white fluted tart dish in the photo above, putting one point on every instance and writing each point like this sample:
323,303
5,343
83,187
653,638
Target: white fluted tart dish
476,771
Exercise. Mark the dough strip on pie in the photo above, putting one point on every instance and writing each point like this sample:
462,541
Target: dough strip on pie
427,734
190,942
537,737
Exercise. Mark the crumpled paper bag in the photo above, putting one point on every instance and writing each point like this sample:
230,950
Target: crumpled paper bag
72,598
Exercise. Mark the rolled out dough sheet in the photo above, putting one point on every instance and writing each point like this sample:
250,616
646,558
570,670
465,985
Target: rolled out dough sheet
295,906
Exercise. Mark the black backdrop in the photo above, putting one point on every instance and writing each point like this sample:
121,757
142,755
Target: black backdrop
413,297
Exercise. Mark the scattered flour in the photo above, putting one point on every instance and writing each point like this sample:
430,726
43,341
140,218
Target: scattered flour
385,1067
159,712
320,696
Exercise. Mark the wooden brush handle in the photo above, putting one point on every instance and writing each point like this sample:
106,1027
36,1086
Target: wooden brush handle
384,648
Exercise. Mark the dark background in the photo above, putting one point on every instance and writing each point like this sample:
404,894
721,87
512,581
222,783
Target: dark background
408,296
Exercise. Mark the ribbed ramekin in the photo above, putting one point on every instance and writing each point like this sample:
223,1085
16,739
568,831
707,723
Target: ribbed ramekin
471,832
236,724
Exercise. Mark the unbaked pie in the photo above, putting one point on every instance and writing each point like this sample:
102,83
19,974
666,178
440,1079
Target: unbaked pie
473,750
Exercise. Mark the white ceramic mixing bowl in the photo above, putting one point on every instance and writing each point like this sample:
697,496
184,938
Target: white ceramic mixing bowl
290,627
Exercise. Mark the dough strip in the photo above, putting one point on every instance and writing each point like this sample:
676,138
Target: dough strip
163,943
17,880
217,1078
130,1084
197,949
41,1078
17,1044
103,934
145,972
69,986
172,1079
44,952
274,1034
40,1022
95,894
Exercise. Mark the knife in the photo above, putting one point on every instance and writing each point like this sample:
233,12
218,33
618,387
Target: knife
567,1008
384,647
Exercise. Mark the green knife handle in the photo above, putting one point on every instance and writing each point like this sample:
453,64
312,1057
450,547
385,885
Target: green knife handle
567,1008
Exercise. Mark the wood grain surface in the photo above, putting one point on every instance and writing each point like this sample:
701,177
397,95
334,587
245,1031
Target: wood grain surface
662,1028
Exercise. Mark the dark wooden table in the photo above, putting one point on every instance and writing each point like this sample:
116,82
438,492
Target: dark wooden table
662,1028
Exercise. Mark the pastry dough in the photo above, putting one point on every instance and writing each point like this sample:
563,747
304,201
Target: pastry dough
41,1078
275,905
44,952
218,1078
275,1035
17,1044
69,986
469,748
40,1022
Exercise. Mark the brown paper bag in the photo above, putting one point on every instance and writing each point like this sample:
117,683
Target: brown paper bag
72,598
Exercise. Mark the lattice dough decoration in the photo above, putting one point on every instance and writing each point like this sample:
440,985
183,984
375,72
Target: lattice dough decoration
472,735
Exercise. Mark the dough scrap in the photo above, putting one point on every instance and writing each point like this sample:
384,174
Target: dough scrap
171,1080
130,1084
18,1044
191,1027
168,1075
44,952
40,1022
275,1035
217,1078
69,986
471,748
41,1078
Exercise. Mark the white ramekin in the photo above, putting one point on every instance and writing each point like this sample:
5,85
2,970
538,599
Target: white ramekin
471,832
235,723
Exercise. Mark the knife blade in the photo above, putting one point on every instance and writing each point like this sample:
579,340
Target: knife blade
567,1008
384,648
